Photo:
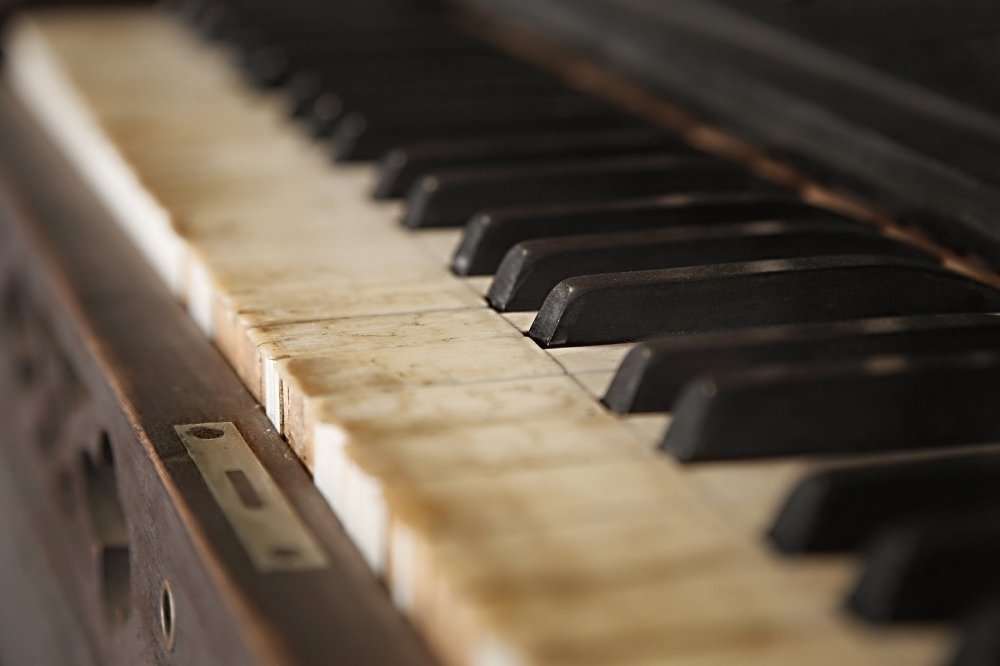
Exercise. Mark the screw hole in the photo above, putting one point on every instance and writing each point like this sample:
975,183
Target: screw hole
201,432
285,552
167,615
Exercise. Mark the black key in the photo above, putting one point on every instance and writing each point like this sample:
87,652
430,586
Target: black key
931,571
321,112
879,403
484,106
269,63
533,268
273,66
652,375
234,23
213,20
311,90
450,198
401,168
322,43
622,307
408,76
360,136
489,236
980,645
188,11
842,508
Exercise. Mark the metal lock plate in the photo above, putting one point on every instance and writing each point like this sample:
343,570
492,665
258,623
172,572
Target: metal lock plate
272,533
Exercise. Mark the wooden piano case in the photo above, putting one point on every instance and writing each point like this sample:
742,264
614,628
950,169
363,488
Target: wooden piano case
113,547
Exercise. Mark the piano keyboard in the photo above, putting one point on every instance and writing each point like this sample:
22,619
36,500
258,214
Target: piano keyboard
496,379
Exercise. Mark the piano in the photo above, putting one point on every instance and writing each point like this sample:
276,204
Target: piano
500,332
